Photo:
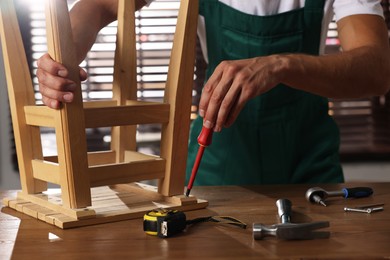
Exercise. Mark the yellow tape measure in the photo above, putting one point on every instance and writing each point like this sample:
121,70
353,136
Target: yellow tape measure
166,222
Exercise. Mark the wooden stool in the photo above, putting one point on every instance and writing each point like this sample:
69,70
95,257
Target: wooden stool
85,197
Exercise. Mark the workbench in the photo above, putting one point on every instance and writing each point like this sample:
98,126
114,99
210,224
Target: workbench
353,235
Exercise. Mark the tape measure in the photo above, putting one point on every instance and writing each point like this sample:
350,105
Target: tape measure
166,222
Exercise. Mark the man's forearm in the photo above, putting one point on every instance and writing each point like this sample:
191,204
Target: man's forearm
88,17
361,72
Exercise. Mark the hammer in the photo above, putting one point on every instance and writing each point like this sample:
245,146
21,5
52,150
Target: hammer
287,230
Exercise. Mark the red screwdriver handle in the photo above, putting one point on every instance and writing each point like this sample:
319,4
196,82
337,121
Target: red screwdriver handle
205,136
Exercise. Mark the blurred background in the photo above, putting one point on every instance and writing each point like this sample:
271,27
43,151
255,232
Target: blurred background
364,123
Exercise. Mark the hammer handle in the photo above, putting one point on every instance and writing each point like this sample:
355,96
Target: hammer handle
284,210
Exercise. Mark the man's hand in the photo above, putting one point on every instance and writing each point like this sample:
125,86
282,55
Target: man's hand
232,84
356,72
88,17
54,85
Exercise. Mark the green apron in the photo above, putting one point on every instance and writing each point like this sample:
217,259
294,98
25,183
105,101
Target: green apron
282,136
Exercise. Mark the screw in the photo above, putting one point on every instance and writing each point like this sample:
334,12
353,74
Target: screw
368,210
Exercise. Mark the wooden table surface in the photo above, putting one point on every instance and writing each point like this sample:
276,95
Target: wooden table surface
353,235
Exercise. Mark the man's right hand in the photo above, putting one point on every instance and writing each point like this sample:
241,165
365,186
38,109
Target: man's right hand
54,85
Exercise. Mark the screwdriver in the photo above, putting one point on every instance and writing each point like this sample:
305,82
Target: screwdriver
204,140
318,195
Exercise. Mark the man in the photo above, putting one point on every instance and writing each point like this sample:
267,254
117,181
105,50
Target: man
266,82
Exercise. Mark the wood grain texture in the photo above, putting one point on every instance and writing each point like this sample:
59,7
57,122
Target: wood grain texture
70,169
40,116
109,204
178,93
70,126
125,85
142,113
353,235
47,171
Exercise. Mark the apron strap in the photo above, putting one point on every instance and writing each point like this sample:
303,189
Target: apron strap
313,16
203,5
315,4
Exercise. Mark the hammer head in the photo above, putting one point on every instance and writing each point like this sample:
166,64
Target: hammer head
291,231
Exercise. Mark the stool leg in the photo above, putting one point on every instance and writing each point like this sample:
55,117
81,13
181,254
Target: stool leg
178,93
125,76
70,126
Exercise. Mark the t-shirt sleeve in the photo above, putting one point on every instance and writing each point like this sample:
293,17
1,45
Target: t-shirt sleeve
343,8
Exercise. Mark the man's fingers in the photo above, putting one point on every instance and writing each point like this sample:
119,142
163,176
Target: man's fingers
227,106
218,101
208,90
47,64
54,82
52,93
52,103
83,74
235,110
217,98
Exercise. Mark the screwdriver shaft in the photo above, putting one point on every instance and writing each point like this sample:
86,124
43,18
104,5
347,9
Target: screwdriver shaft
195,169
319,200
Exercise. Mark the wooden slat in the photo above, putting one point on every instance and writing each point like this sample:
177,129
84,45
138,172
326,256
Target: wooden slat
32,209
131,156
142,113
178,93
127,172
70,126
46,171
55,204
94,158
104,157
109,204
126,115
40,116
104,103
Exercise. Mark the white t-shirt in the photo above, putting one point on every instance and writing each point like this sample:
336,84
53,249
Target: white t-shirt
333,8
